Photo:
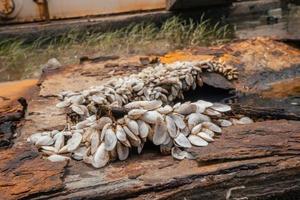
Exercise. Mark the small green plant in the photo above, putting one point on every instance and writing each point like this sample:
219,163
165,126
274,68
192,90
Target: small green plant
20,59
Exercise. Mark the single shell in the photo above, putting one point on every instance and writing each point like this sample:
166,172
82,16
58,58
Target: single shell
49,148
95,141
102,122
224,122
204,104
180,155
105,128
123,151
197,141
212,112
78,109
171,126
79,153
151,117
74,142
120,133
196,129
143,128
101,157
211,126
44,140
110,140
165,110
140,148
196,118
182,141
132,125
245,120
186,109
221,107
160,132
59,141
178,121
209,132
58,158
147,105
205,136
136,113
63,104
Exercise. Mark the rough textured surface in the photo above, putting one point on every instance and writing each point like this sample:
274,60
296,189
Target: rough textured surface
23,173
265,152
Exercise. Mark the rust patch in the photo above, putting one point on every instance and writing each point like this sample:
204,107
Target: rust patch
10,92
284,88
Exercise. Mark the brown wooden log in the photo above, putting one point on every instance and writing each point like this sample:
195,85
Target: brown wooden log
256,161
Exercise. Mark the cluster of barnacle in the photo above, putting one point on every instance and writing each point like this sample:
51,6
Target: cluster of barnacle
148,116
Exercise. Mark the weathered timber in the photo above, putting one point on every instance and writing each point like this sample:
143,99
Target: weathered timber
256,161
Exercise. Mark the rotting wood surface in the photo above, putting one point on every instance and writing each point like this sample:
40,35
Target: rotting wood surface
260,160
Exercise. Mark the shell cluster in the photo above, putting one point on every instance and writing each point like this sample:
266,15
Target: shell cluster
150,115
173,128
165,82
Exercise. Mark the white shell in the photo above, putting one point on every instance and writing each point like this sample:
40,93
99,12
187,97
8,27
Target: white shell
196,118
245,120
211,126
221,107
95,141
196,129
151,117
120,133
59,141
178,121
165,110
123,151
74,142
101,157
144,128
110,140
57,158
224,122
44,140
63,104
136,113
182,141
205,136
186,109
171,126
197,141
160,132
132,125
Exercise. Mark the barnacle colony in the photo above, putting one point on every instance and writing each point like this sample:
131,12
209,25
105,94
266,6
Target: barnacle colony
98,137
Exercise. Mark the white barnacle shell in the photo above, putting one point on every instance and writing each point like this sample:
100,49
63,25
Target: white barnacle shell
123,151
136,113
44,140
196,118
186,109
178,119
182,141
110,140
78,109
58,158
245,120
197,141
160,132
171,126
178,154
220,107
196,129
120,133
101,157
132,125
212,112
211,126
79,153
63,104
204,104
59,141
95,141
165,110
224,122
205,136
74,142
144,128
147,105
151,117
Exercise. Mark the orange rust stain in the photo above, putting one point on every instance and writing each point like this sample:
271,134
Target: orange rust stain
282,89
11,91
183,56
